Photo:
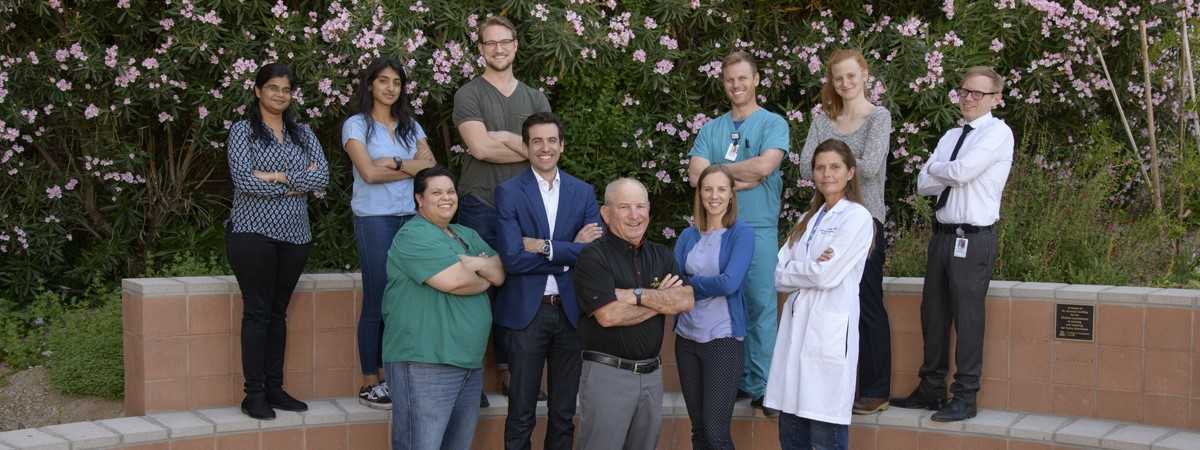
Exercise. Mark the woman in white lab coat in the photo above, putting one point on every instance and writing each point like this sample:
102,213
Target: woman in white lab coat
816,350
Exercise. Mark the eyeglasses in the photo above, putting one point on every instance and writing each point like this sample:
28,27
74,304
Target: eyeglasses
506,43
972,94
274,89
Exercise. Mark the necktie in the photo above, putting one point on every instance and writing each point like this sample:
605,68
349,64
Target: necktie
945,195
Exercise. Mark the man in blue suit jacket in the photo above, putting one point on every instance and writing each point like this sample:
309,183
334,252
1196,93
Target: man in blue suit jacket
546,218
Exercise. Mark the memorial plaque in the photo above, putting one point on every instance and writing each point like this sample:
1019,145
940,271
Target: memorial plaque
1075,322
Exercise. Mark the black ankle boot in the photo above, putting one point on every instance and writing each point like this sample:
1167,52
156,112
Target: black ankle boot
279,399
256,406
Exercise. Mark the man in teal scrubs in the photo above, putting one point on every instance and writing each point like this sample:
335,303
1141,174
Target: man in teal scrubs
751,142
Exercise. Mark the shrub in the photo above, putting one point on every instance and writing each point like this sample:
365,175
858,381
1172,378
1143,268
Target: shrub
112,120
85,351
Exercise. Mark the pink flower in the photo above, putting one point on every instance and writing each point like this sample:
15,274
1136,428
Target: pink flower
54,192
63,85
71,184
202,112
948,8
150,63
110,57
164,117
639,55
668,232
663,66
280,9
91,112
649,23
668,42
166,23
123,4
997,45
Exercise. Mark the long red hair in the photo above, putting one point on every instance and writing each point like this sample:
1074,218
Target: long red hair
831,102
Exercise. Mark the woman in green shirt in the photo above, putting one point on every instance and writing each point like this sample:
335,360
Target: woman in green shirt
436,320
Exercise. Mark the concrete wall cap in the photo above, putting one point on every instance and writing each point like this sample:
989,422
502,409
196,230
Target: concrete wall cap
33,439
359,413
1089,293
497,406
1086,432
1001,288
902,417
332,281
928,423
206,285
864,419
1175,297
183,424
357,277
134,429
1037,427
1134,437
992,422
306,283
1179,441
905,285
1035,290
153,286
229,419
1126,294
322,413
283,419
84,435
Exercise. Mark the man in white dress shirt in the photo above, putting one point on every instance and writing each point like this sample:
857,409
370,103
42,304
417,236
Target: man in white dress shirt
967,173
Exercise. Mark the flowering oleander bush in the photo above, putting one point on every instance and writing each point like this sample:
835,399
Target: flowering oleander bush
113,114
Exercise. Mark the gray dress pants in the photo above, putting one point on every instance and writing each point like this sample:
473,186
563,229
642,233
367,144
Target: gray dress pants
619,409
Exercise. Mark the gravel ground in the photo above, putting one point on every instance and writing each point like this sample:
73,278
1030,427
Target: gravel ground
27,401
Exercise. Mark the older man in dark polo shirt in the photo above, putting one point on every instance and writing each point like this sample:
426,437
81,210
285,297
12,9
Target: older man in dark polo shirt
624,285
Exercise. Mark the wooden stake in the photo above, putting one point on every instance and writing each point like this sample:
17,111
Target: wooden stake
1112,87
1155,182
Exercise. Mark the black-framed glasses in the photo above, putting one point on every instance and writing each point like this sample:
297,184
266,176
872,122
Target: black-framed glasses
973,94
501,43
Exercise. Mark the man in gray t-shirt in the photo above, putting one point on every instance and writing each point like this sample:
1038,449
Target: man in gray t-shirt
489,111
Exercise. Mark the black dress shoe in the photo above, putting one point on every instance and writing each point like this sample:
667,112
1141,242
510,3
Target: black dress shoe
281,400
919,400
483,401
256,406
769,412
958,409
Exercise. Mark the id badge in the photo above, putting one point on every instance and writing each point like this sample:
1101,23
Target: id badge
731,154
960,247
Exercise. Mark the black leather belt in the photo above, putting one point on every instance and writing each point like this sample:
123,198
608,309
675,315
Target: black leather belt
552,299
635,366
952,228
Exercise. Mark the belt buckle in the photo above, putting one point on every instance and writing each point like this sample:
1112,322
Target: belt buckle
637,366
958,231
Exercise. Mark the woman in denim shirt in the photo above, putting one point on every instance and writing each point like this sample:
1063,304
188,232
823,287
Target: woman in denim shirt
274,163
387,148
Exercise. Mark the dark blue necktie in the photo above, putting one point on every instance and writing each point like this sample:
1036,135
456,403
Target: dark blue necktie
945,195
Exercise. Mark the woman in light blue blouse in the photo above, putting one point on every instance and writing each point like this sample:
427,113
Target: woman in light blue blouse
714,256
387,147
273,162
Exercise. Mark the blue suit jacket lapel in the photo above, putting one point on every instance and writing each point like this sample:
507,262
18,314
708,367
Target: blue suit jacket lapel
534,194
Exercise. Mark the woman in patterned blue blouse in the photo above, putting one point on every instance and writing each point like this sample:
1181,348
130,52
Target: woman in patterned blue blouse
387,148
274,163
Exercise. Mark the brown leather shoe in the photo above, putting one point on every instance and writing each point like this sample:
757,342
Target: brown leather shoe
870,405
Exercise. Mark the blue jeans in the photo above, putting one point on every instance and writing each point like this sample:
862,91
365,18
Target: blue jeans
373,235
434,406
798,433
473,213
